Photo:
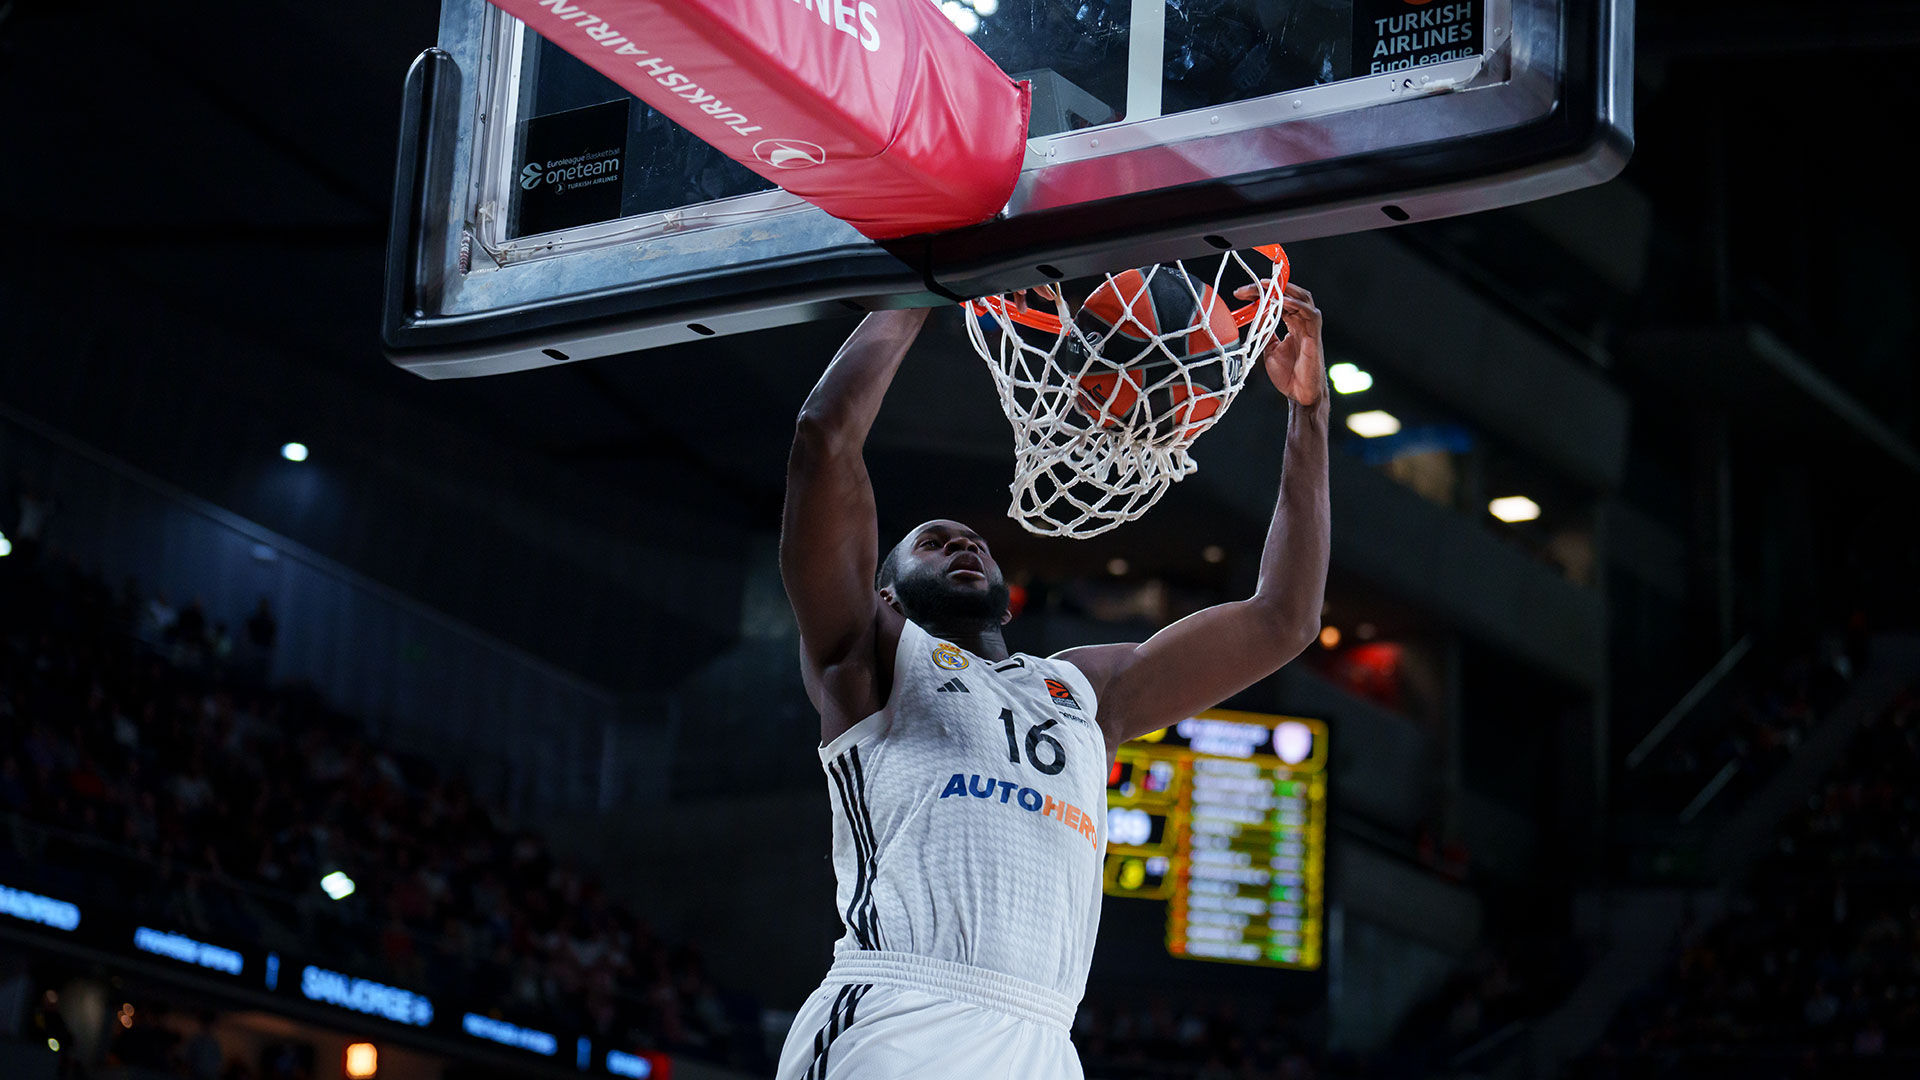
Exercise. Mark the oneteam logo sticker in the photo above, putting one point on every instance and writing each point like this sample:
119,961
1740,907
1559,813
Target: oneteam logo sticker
949,657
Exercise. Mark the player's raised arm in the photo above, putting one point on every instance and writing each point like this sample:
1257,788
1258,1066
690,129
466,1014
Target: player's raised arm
1213,654
829,536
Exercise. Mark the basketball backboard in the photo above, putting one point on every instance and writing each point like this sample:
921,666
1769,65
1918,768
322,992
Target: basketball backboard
543,215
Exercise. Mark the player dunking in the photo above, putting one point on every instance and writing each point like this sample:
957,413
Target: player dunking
969,785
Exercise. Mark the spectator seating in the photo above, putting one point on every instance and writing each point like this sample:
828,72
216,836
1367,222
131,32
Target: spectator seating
141,766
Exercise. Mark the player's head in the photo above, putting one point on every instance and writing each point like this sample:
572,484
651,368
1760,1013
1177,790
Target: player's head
942,571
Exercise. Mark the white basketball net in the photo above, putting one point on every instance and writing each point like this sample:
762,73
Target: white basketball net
1086,462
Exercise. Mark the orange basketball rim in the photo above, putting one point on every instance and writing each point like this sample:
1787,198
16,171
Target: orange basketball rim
1015,308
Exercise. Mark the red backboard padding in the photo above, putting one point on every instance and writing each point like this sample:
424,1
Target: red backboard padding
880,112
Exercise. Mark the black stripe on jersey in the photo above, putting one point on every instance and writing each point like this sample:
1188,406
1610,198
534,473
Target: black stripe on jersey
825,1035
856,921
873,845
841,1020
952,686
1010,663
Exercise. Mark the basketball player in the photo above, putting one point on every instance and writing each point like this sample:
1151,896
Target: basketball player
969,785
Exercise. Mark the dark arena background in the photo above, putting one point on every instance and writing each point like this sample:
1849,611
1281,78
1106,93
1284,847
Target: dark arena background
355,725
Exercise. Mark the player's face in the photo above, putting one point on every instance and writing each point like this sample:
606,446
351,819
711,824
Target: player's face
944,570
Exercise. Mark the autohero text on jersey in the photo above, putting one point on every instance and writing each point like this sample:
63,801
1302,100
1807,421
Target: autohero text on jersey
975,786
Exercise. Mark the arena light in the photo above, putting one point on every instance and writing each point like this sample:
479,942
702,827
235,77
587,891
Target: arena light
1348,378
1293,741
1214,553
363,1061
337,885
1117,567
961,15
1513,508
1329,637
294,451
6,546
1373,424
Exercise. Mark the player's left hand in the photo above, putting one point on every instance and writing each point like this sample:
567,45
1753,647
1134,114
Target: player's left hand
1019,302
1296,363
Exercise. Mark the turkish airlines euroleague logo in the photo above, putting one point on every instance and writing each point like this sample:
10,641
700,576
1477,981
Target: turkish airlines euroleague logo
1394,35
789,153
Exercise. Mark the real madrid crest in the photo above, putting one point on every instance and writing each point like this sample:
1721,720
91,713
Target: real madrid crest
949,657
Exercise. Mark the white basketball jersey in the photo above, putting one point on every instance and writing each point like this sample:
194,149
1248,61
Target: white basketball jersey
969,815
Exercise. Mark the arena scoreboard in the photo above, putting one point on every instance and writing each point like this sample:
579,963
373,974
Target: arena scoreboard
1223,816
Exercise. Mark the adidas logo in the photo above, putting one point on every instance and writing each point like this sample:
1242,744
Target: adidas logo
952,686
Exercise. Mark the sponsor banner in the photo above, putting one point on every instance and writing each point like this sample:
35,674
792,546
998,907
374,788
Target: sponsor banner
639,1066
365,996
1399,35
880,112
34,908
56,925
571,168
187,950
499,1031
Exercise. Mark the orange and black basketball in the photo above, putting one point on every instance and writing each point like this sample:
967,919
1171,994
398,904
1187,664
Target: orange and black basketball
1141,330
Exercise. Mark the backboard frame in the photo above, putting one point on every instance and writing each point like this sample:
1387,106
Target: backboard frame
1545,109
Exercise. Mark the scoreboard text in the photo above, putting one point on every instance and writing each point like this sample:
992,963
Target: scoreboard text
1223,816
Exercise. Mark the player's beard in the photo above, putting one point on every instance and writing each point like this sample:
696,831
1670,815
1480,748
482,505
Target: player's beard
928,597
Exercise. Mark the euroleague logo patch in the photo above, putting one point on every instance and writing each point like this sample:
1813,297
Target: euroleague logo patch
1058,691
790,153
949,657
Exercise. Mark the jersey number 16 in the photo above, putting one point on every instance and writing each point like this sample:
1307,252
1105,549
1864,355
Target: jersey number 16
1056,756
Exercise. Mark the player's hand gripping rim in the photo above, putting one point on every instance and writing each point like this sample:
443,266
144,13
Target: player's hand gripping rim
1295,362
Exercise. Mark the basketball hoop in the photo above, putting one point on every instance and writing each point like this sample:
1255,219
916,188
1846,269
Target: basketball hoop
1099,438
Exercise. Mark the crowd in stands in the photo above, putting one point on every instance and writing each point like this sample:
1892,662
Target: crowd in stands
1815,970
146,764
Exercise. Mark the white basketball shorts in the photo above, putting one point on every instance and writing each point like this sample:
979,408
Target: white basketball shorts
894,1016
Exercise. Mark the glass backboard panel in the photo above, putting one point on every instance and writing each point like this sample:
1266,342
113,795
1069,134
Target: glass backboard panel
1151,58
578,113
1092,63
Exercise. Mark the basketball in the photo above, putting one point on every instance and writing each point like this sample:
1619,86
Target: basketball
1145,338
